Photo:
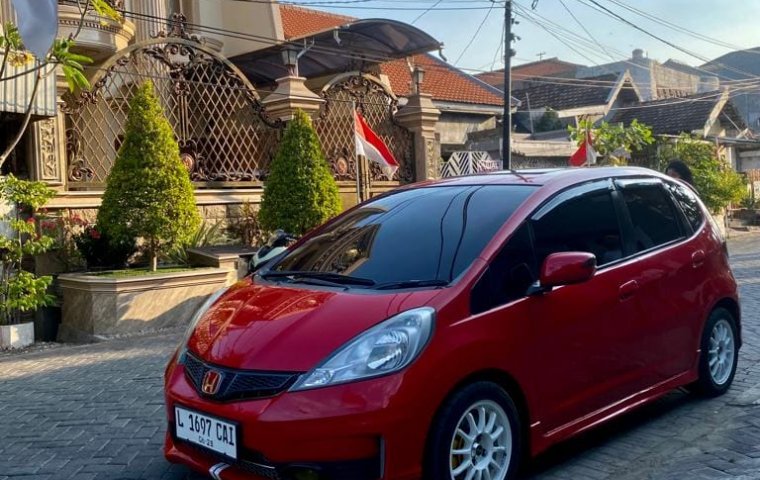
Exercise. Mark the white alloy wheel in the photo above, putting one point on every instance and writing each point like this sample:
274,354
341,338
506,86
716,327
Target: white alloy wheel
481,448
721,352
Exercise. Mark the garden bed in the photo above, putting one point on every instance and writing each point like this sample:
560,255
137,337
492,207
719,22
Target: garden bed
103,304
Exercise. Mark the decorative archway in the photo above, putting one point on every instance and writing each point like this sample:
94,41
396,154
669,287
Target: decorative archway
335,127
221,126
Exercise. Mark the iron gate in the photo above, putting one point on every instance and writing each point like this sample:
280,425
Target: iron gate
335,127
223,132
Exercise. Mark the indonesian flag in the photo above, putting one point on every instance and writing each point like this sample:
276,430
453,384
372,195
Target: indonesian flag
369,144
586,155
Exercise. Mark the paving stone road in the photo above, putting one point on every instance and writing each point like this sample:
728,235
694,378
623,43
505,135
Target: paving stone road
95,412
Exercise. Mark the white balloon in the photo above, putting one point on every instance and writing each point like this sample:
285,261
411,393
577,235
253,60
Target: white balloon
37,24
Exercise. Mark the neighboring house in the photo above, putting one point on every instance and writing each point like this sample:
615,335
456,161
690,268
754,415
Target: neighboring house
741,65
654,79
572,100
712,116
523,74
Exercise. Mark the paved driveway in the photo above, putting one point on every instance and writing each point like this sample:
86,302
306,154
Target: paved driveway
95,412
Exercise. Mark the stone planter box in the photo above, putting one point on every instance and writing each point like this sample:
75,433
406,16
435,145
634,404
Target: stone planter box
95,306
17,336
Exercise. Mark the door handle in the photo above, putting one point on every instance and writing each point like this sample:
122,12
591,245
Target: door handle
698,258
628,289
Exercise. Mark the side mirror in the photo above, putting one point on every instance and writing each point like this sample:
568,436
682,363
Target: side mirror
567,268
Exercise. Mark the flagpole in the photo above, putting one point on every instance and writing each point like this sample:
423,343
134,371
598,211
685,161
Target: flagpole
358,157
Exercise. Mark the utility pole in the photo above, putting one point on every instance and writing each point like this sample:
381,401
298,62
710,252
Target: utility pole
506,146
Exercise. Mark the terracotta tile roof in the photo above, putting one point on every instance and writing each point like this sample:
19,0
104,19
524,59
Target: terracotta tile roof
299,21
551,67
443,81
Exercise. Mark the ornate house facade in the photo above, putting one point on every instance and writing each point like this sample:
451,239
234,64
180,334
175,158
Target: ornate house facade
229,76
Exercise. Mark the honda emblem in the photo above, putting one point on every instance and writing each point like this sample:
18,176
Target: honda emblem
212,380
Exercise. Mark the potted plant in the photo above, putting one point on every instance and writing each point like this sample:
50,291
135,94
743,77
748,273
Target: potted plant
149,200
21,291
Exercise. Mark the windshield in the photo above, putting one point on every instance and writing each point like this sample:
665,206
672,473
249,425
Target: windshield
424,235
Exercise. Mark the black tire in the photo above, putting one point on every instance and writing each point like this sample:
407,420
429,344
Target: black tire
707,385
438,457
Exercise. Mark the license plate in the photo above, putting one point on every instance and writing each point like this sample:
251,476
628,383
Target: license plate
208,432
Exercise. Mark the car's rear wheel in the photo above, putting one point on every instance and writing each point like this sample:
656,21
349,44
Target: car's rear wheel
719,354
476,436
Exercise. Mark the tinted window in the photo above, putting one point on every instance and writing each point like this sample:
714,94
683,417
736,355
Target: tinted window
654,217
586,223
689,204
420,234
509,275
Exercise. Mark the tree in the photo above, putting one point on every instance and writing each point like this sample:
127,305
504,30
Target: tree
548,122
22,291
300,192
60,54
718,185
148,192
614,142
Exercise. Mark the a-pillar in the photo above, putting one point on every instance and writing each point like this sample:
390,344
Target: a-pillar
290,95
420,116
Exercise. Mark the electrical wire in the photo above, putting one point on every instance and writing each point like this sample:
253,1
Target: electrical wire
426,12
475,35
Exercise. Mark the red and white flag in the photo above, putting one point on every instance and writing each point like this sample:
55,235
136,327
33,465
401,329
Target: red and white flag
585,155
369,144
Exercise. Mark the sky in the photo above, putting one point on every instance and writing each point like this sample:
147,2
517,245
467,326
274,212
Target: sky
729,22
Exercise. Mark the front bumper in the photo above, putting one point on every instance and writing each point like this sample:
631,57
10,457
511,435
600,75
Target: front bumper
350,432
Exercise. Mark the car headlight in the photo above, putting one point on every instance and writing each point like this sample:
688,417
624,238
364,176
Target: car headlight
383,349
195,319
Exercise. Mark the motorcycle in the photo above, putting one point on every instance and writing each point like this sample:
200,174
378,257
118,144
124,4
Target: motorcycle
277,243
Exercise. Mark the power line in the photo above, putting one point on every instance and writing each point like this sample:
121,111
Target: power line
475,35
426,12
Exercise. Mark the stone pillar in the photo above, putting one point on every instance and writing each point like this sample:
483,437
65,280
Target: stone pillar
291,94
47,147
147,27
420,116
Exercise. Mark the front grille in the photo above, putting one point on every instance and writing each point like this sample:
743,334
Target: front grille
237,384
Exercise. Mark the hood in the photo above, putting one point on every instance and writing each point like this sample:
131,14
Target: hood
277,327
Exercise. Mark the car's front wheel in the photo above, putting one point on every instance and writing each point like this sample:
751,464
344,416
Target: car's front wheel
476,436
719,354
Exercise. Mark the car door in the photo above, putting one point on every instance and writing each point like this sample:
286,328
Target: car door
667,280
583,353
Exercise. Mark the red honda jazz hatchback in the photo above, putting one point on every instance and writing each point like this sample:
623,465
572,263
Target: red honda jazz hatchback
449,329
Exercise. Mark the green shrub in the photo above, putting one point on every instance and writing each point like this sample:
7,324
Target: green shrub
22,291
148,192
300,192
207,234
717,184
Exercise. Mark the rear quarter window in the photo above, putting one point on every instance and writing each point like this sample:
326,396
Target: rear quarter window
689,204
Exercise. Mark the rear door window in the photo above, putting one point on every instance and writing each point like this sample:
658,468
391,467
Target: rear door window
583,223
654,218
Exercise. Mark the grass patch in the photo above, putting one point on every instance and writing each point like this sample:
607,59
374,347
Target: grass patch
139,272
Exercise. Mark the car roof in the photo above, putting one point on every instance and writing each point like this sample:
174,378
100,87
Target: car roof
547,177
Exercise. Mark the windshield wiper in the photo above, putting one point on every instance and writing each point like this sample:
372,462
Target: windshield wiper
411,284
327,276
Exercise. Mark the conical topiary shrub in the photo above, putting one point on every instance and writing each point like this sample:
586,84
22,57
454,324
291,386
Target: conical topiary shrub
300,192
148,192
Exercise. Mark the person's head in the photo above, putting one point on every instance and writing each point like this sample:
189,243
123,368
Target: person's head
678,169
